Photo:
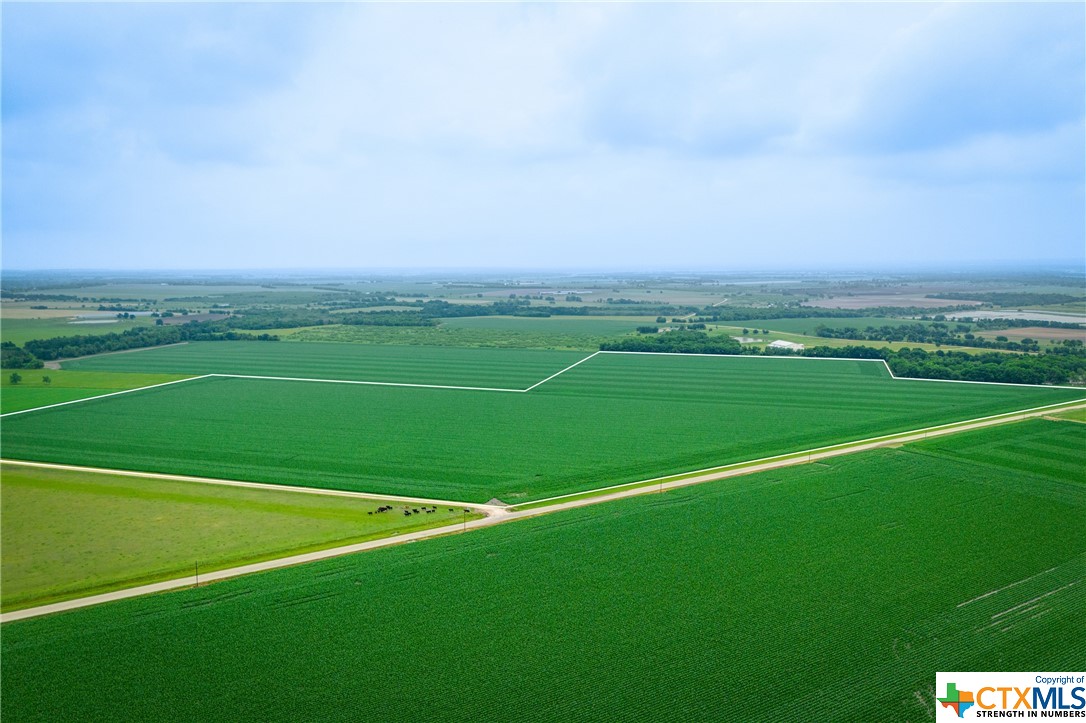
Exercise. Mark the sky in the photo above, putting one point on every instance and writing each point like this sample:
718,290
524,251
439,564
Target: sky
587,135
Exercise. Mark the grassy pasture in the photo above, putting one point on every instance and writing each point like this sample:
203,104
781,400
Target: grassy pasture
845,585
21,331
458,367
615,418
64,386
70,534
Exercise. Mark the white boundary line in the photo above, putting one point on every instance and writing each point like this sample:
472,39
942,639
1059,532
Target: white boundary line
103,396
552,376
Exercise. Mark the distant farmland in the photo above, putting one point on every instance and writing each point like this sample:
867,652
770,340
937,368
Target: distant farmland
614,418
823,592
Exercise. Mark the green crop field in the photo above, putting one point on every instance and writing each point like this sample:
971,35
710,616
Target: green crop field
63,386
615,418
448,366
70,534
824,592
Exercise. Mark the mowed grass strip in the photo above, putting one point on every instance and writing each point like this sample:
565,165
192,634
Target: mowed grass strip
515,369
615,418
33,391
69,534
827,592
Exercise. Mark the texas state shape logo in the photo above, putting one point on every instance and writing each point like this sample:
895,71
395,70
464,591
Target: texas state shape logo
959,700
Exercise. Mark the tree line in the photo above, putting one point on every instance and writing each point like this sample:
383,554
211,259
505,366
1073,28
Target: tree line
66,347
935,333
682,341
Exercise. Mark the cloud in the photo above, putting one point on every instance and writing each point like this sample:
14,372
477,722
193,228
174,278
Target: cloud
967,71
557,135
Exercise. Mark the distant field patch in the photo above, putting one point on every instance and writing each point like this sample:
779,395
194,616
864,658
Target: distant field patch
20,331
668,607
615,418
865,301
203,293
1063,316
70,534
808,326
23,310
1036,332
414,365
589,325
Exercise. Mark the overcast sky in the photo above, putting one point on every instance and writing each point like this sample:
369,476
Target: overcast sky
721,136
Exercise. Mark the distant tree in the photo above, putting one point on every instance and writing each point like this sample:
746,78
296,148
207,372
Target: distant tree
661,320
15,377
46,380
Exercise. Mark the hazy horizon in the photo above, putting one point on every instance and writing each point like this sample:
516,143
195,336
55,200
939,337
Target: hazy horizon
704,138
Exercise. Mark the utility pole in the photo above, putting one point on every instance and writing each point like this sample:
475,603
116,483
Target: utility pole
197,573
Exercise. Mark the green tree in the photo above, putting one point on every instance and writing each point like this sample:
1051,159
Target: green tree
15,377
